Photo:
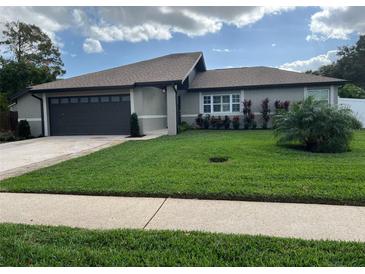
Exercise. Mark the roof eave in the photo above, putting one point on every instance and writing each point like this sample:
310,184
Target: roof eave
80,88
141,84
341,82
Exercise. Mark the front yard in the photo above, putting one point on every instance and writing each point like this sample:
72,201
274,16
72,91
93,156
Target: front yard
23,245
179,166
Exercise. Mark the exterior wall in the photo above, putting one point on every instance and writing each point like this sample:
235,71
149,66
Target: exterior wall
192,76
29,108
257,95
150,104
191,102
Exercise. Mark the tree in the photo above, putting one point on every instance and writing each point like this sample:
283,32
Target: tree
18,76
349,66
29,58
351,91
4,104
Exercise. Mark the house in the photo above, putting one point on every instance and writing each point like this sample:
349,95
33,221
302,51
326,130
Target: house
163,92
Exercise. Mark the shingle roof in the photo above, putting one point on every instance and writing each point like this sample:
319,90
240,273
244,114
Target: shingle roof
169,68
255,77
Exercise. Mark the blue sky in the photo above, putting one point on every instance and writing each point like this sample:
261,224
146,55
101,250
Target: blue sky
296,39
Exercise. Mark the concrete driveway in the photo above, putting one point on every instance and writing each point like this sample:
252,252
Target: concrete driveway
20,157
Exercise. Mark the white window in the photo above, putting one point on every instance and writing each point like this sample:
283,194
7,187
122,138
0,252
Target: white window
320,95
225,103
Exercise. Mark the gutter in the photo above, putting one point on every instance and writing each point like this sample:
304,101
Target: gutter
338,83
42,118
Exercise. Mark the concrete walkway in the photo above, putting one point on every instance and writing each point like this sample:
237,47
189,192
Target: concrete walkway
306,221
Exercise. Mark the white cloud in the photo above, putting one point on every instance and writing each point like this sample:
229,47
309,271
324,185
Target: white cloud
136,24
139,33
273,45
311,64
222,50
92,46
337,23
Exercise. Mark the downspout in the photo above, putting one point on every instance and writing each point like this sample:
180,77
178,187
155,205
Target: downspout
42,118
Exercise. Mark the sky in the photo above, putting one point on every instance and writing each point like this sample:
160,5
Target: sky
96,38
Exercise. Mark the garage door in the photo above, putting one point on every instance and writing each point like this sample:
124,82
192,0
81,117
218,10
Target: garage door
90,115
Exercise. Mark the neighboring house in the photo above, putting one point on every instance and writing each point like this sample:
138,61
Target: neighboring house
163,92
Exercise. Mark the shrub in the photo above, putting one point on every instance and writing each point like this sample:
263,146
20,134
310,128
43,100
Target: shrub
236,122
7,136
226,122
199,121
134,125
319,127
265,112
206,121
281,106
23,129
184,126
248,116
218,123
254,125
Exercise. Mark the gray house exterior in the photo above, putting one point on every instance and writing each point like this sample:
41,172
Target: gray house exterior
163,92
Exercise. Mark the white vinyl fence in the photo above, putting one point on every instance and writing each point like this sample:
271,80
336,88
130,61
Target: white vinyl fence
356,105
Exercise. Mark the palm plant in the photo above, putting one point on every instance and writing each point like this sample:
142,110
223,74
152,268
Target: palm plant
317,126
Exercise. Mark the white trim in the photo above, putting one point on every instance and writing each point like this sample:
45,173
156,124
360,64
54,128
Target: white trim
152,116
189,115
131,99
31,119
45,114
223,114
329,91
351,99
230,94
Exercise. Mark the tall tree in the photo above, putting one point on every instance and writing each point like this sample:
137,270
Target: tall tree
30,57
349,66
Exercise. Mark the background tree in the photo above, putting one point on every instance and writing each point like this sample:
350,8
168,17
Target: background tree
349,66
351,91
29,58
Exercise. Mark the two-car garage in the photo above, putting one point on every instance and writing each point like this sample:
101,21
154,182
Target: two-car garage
89,115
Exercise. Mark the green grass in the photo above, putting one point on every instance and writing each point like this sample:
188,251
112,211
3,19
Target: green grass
22,245
179,166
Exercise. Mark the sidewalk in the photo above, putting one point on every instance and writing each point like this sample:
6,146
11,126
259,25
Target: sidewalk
306,221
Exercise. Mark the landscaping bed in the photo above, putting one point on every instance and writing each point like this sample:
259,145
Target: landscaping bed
179,166
25,245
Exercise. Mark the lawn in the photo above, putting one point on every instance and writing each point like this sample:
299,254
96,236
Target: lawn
23,245
178,166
